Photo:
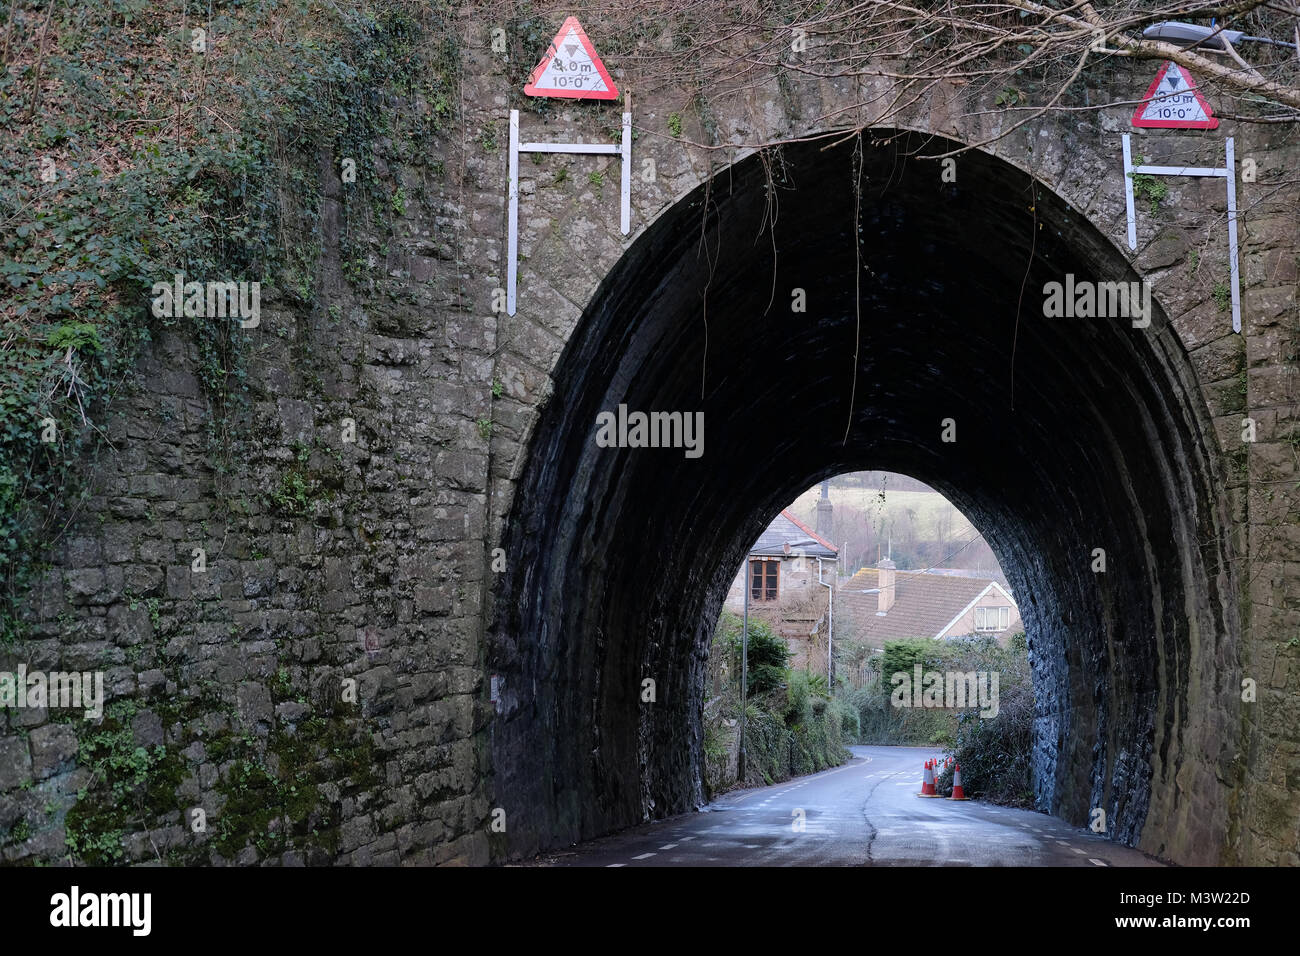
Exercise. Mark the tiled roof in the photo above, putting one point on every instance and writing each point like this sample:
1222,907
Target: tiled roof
924,604
816,537
787,529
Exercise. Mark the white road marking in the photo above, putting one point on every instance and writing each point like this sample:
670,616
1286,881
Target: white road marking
615,864
643,856
684,839
1098,862
669,846
1077,850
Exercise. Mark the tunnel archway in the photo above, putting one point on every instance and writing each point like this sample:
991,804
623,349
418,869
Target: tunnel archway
620,557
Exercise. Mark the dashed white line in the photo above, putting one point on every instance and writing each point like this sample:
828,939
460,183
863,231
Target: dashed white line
1098,862
643,856
668,846
1078,851
615,864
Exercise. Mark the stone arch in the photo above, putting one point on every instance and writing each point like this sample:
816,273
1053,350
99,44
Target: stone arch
1097,436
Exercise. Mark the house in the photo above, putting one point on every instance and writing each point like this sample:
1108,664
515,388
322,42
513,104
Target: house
782,565
790,571
884,604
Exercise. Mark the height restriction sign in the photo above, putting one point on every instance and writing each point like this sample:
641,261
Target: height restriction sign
571,68
1174,102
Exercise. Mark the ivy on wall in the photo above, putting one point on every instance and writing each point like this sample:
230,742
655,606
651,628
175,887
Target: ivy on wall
156,139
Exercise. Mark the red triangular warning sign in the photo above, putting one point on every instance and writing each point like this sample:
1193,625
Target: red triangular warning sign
571,68
1174,102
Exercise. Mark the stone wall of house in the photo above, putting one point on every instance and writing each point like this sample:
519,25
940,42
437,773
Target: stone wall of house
798,613
797,582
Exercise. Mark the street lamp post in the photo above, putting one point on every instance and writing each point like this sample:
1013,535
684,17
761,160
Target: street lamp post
1211,38
744,673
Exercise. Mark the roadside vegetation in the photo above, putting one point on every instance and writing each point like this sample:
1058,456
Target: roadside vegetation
994,752
793,724
796,725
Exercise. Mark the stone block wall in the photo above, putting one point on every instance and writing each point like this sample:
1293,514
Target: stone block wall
330,561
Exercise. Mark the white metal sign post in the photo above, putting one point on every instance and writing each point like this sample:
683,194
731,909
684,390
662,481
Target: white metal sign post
623,149
1229,173
570,69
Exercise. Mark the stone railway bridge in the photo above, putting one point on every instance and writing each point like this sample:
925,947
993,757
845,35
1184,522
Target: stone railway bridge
509,679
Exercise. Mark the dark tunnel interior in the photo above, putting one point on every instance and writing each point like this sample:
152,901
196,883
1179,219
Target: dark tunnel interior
1072,434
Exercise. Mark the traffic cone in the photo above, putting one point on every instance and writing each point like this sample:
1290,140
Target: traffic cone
934,778
957,792
927,781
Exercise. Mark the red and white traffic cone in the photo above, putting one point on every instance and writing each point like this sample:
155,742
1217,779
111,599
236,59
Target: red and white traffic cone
928,782
957,792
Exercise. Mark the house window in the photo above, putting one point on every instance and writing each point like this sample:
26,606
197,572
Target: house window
763,575
992,618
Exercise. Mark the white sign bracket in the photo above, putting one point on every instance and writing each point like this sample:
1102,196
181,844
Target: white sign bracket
622,150
1228,173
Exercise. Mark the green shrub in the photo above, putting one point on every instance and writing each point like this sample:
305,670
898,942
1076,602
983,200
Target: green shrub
798,699
996,753
845,714
792,726
882,723
769,658
904,655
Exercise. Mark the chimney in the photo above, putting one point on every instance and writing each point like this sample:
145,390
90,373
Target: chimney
885,597
823,525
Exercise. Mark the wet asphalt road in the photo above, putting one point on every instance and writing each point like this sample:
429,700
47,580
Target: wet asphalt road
865,813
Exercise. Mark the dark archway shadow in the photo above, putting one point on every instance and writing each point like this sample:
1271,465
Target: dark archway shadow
619,559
